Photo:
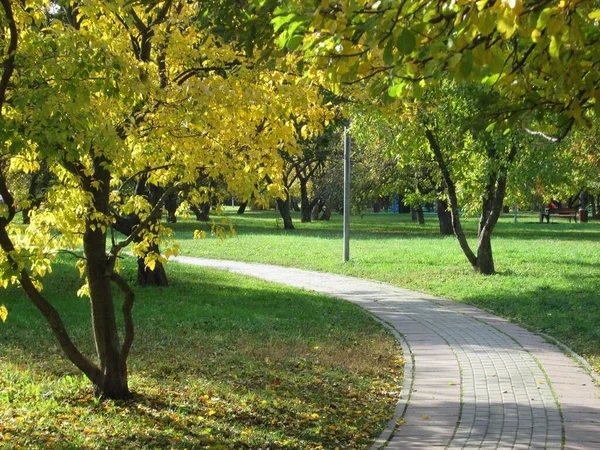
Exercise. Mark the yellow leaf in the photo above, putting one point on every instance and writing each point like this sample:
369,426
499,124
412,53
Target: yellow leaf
3,313
425,416
595,15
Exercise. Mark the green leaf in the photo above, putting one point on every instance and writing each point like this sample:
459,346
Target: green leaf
393,90
594,15
407,42
294,42
554,48
543,18
280,21
388,55
466,64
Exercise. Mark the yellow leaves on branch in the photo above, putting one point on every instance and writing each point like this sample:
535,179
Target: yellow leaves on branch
3,313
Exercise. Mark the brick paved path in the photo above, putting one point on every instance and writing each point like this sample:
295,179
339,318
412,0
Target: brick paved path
473,380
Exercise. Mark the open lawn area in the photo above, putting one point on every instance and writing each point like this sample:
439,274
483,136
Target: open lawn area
548,274
219,361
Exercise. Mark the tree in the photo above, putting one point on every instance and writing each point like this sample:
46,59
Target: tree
107,92
541,55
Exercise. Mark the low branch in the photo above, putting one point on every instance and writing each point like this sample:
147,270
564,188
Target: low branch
51,314
127,316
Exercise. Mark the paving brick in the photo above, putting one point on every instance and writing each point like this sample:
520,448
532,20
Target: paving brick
501,398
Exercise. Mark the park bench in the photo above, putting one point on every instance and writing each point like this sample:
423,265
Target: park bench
566,213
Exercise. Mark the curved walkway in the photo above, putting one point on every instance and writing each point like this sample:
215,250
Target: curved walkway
477,380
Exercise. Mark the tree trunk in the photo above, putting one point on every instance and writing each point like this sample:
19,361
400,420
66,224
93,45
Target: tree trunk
420,215
201,212
114,382
485,260
317,209
242,208
326,213
284,208
158,275
452,198
171,207
444,217
305,204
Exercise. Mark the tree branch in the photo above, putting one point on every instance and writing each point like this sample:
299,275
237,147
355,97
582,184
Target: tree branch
127,316
8,64
114,251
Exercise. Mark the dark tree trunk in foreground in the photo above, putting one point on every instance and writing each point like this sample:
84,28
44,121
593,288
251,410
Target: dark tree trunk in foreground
444,217
284,207
494,194
113,383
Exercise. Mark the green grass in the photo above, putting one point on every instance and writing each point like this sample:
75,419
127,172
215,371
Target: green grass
548,274
219,361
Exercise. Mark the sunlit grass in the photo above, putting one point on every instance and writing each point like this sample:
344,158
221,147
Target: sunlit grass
219,361
548,274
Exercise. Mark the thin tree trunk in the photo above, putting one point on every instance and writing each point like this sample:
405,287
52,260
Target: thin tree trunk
452,198
242,207
305,204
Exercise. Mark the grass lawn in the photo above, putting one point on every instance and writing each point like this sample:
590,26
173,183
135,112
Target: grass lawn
220,361
548,274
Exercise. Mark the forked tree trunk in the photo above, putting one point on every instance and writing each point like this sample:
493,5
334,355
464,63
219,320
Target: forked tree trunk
202,212
284,207
326,213
494,194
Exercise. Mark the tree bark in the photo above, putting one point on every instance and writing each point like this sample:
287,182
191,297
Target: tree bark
420,215
202,212
305,204
452,198
284,207
171,207
485,259
444,217
113,384
326,213
242,208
